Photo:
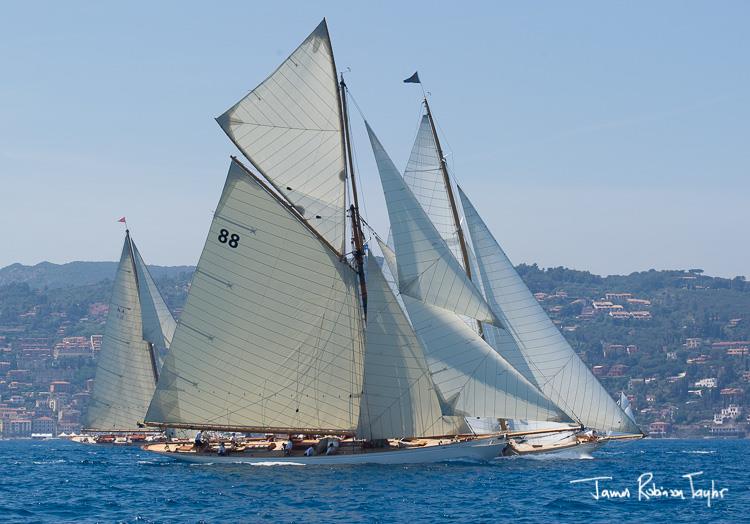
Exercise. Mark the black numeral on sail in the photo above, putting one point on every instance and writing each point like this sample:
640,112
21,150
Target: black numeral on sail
226,238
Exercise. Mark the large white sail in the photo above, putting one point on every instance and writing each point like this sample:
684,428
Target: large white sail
474,380
549,359
126,370
424,177
158,322
399,398
427,270
290,128
271,335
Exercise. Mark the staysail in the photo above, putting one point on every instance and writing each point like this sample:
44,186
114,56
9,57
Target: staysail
399,398
473,378
158,322
127,366
547,356
270,338
290,128
427,270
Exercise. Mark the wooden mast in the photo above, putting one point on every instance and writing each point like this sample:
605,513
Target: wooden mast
452,200
354,208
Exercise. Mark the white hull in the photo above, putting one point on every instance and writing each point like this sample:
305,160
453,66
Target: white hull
580,450
480,449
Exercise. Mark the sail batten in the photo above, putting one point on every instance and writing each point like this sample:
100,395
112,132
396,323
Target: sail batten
271,335
540,351
290,129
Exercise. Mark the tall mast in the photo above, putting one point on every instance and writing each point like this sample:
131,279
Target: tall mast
452,200
354,208
151,354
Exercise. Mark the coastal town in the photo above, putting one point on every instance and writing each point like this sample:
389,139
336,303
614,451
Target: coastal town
679,385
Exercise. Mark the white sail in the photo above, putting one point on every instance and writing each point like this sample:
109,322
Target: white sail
626,406
424,177
290,128
427,270
399,399
271,335
125,372
158,322
473,378
551,362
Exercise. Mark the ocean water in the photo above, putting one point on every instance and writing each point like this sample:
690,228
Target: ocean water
60,481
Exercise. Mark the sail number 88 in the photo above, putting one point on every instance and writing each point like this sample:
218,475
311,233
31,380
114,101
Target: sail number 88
225,238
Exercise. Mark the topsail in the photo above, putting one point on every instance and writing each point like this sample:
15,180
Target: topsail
426,268
290,128
424,177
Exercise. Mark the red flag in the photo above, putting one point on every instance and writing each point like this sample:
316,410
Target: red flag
122,220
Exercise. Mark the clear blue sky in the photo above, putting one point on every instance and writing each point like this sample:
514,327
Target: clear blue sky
613,137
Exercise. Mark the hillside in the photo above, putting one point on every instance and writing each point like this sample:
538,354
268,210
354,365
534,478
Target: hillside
47,274
677,342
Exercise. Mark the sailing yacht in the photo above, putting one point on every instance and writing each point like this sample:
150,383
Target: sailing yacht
285,335
137,335
523,334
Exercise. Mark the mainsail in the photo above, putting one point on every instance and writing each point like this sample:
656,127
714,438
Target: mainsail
128,363
270,338
290,128
543,351
399,398
427,270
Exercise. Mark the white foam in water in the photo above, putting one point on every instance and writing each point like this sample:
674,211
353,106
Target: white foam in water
270,463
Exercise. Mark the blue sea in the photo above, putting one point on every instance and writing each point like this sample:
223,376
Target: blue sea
60,481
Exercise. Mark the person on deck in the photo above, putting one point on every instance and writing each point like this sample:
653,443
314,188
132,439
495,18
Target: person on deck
222,449
333,447
309,452
288,445
199,440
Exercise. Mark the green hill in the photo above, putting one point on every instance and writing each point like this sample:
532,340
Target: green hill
47,274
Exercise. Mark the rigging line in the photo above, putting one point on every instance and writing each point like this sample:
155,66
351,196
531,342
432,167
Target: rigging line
354,149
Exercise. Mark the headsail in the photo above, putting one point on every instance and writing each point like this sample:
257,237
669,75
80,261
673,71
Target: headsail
270,338
427,270
158,322
290,128
473,378
399,398
553,364
126,368
626,407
